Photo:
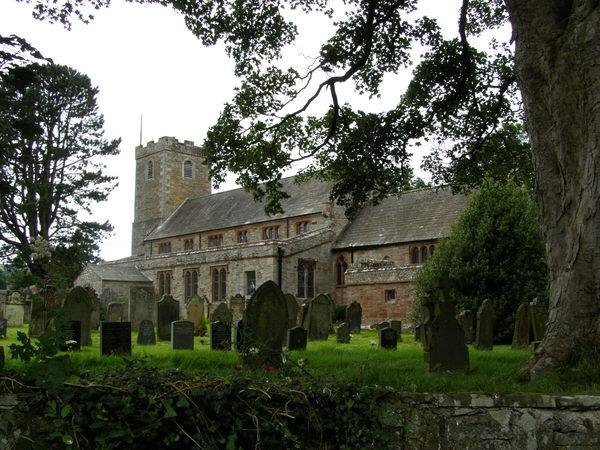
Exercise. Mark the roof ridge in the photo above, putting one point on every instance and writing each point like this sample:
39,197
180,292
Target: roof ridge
232,190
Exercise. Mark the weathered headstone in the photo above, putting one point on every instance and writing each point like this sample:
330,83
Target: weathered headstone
296,338
98,312
221,313
445,347
3,327
78,306
236,306
72,332
167,312
182,335
15,313
265,325
388,338
538,316
381,325
318,321
465,320
292,310
343,334
195,314
239,335
521,334
220,336
146,335
142,305
303,319
115,312
354,317
115,338
484,338
397,325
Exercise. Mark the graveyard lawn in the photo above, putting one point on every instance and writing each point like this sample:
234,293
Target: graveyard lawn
360,362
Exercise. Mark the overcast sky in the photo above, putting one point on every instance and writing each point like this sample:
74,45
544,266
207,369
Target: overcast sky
145,61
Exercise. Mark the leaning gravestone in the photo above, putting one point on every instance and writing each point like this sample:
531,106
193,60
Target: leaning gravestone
115,338
221,314
195,314
521,334
182,335
343,334
318,321
388,338
72,332
115,312
292,310
146,334
236,305
78,306
465,319
446,348
142,305
3,327
167,312
265,325
354,317
296,338
239,335
538,316
484,338
220,336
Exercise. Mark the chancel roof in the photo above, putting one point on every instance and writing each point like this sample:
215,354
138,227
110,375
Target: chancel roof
118,273
418,215
238,207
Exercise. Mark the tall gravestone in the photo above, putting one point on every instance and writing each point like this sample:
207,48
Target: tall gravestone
292,310
182,335
521,334
72,333
465,320
388,338
146,335
484,338
354,317
115,312
236,305
195,314
15,314
445,343
296,338
318,321
303,319
115,338
98,311
142,305
78,306
220,336
221,313
167,311
265,325
3,327
538,316
343,334
239,335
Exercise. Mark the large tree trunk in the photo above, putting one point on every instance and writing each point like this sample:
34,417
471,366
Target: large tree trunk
558,68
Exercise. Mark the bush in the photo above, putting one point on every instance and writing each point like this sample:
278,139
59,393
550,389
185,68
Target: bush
495,250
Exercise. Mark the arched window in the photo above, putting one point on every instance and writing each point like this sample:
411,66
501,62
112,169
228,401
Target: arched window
340,270
431,248
190,283
188,169
306,279
414,255
219,284
423,254
223,284
150,170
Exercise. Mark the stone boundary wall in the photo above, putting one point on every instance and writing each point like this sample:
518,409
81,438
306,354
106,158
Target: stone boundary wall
474,421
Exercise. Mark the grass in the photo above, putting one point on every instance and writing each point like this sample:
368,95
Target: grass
359,362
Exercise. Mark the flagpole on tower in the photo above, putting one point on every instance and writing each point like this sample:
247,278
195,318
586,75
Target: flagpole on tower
141,126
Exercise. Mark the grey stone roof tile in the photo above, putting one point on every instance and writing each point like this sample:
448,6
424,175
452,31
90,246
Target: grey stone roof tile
119,273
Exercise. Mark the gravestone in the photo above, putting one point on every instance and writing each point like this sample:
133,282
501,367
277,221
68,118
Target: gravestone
484,338
445,341
195,314
142,305
521,334
397,325
220,336
39,311
78,306
292,310
182,335
303,319
98,312
465,320
115,312
3,327
167,312
354,317
265,325
318,321
388,338
239,335
221,313
15,314
236,305
538,316
418,333
115,338
72,332
343,334
296,338
1,357
146,334
381,325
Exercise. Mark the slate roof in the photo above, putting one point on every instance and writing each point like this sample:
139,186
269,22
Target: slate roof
418,215
237,207
119,273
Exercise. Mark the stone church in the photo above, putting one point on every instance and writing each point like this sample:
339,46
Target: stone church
187,241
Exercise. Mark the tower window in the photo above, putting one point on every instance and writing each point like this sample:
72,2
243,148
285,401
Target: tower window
188,167
150,170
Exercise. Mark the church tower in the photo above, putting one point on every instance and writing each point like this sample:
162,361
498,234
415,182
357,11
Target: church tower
166,173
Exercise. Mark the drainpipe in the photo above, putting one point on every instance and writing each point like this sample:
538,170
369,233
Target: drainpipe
280,252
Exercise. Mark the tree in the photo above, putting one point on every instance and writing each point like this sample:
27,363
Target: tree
495,251
51,142
459,93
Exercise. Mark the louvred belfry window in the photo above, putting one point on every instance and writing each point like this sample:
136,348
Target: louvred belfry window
188,169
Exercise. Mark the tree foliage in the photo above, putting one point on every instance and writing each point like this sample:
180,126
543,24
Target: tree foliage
495,251
51,145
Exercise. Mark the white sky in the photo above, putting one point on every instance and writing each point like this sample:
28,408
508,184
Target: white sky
144,60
